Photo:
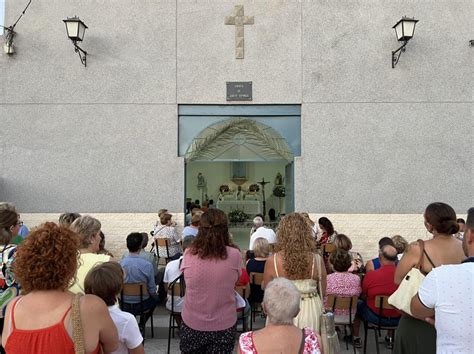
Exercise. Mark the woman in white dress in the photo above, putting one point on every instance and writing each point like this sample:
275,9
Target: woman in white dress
296,260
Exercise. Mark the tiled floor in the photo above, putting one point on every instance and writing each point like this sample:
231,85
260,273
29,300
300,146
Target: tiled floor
159,343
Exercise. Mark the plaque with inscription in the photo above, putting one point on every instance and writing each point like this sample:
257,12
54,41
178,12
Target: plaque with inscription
239,91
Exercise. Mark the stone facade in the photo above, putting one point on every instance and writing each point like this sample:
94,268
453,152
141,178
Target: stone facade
103,139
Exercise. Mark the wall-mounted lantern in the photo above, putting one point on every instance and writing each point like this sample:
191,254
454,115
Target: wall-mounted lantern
404,29
75,31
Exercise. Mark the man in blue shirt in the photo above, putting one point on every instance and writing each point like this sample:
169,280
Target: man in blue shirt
138,270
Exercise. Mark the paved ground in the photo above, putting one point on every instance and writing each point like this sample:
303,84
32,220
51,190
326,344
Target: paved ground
159,343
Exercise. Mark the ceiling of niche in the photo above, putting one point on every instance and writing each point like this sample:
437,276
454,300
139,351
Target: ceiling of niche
239,139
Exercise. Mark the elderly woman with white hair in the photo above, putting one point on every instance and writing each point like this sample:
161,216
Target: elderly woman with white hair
281,303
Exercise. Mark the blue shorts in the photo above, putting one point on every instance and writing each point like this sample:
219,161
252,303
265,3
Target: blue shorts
364,312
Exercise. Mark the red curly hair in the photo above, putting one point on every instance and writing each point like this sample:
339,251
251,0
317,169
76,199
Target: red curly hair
47,259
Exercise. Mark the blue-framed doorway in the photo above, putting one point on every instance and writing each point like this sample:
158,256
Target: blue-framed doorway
284,121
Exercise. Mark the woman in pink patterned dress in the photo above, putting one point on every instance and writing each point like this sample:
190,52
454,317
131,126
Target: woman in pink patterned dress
342,282
281,303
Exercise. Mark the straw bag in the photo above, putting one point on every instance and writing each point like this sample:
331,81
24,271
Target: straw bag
401,298
330,341
77,332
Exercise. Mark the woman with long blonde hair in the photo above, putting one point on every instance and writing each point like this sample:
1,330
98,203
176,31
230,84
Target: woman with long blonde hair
297,261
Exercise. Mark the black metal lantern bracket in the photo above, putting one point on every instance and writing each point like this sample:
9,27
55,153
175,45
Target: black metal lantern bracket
404,36
395,57
82,53
77,37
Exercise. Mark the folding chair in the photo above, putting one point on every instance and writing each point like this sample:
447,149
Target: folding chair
348,303
327,248
138,289
175,288
381,303
256,280
162,242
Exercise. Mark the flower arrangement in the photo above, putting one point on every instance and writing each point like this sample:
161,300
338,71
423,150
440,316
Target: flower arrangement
224,188
237,215
254,188
279,191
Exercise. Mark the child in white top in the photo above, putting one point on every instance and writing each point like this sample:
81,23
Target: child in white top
105,280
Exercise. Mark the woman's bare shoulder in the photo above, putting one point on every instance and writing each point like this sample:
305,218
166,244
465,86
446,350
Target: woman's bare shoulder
412,252
92,304
414,247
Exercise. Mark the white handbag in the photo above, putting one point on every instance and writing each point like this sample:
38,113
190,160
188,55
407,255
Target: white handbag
401,298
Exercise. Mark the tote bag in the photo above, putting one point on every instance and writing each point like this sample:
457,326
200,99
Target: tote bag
401,298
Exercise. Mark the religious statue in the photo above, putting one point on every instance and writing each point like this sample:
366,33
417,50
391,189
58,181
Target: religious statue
278,179
201,181
201,185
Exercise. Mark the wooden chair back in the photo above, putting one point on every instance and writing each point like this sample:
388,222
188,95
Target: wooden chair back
174,289
134,289
243,290
381,303
328,248
162,242
342,302
256,278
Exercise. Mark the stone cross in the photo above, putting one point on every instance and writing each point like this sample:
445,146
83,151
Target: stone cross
239,20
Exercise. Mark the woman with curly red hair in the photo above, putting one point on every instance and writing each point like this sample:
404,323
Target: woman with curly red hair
211,268
46,264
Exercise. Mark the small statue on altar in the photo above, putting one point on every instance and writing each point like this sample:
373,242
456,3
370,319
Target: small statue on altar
239,194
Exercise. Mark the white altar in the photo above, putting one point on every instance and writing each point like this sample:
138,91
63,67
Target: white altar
250,207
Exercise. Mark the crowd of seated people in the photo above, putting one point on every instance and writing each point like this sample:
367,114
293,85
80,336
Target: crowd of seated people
56,261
